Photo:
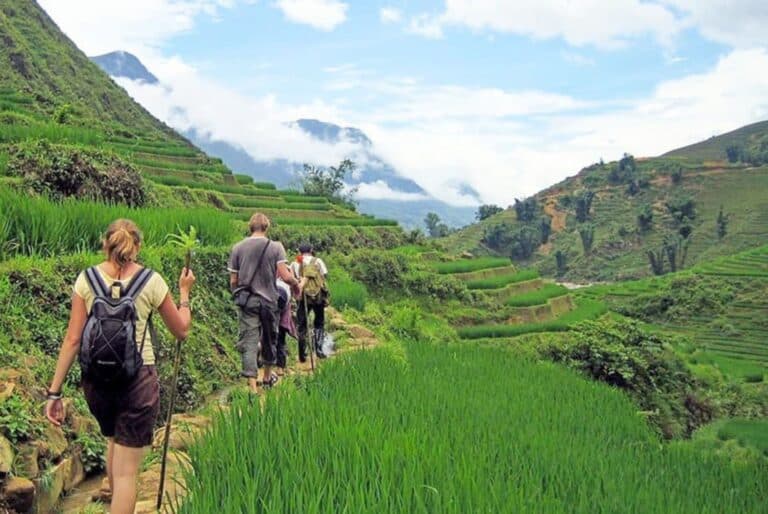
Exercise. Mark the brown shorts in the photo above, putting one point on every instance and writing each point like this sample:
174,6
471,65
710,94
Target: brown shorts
127,414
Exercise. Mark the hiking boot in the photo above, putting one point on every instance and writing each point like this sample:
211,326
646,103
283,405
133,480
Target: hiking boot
302,350
319,339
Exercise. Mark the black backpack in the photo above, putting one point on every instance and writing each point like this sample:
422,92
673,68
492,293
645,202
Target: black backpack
108,350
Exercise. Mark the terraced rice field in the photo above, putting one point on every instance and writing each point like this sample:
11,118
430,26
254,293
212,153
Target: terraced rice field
741,348
527,303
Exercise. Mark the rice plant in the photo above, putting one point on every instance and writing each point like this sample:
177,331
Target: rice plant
427,429
500,281
586,309
537,297
52,132
38,226
346,292
468,265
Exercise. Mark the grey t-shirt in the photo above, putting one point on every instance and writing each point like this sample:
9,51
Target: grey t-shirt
243,259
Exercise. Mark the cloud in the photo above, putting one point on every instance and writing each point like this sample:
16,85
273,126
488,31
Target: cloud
578,22
577,59
737,23
390,15
101,27
379,190
507,158
321,14
257,124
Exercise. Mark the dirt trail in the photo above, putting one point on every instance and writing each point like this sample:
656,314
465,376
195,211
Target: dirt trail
187,427
558,217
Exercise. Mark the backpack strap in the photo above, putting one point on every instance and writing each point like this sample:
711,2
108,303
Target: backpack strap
96,282
137,283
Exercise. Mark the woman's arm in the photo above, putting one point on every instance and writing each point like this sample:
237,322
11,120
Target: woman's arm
67,354
178,319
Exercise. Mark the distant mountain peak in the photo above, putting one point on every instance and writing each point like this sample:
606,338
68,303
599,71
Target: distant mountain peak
332,133
125,65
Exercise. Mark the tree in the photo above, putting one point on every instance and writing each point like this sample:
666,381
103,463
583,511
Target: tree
523,243
623,171
526,209
722,223
645,218
584,205
682,208
329,182
486,211
435,228
676,175
587,233
545,228
734,153
656,260
560,260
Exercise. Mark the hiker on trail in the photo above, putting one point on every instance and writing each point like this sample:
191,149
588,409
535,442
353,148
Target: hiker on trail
313,274
254,265
286,325
120,379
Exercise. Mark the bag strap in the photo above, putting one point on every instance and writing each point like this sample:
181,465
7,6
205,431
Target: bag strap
153,333
95,282
137,283
258,265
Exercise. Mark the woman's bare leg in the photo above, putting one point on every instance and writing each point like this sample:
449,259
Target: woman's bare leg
125,470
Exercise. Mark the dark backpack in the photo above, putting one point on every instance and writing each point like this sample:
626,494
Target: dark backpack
108,350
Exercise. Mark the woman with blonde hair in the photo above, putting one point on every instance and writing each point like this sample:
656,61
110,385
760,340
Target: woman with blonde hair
113,302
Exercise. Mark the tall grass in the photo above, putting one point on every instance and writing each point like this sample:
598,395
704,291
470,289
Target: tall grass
221,188
160,149
439,429
52,132
468,265
38,226
586,309
500,281
537,297
345,292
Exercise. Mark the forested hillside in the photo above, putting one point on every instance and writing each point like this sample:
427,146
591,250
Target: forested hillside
637,217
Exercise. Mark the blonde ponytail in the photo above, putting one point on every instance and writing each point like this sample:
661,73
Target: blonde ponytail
122,241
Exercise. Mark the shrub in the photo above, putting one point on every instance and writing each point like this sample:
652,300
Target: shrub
63,171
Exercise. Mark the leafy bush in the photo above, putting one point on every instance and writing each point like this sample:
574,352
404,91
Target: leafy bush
62,171
680,298
378,270
621,354
17,421
92,450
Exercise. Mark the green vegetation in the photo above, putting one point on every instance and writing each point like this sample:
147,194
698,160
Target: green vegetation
748,432
37,226
538,296
500,281
586,309
407,405
469,265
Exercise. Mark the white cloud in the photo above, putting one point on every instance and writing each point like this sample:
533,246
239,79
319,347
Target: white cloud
257,124
320,14
577,59
427,26
505,159
578,22
379,190
390,15
99,27
738,23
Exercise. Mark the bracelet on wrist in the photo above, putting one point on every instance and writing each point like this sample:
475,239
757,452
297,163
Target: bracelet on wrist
185,303
53,395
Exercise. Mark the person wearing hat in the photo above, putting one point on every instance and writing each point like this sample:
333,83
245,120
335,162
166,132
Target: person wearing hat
313,274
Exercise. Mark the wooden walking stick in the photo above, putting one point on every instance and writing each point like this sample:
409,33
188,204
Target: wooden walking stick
306,331
187,241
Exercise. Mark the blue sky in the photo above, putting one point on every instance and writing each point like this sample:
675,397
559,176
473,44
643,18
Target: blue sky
506,96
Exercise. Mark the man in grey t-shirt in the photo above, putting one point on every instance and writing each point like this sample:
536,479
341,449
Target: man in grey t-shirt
256,262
